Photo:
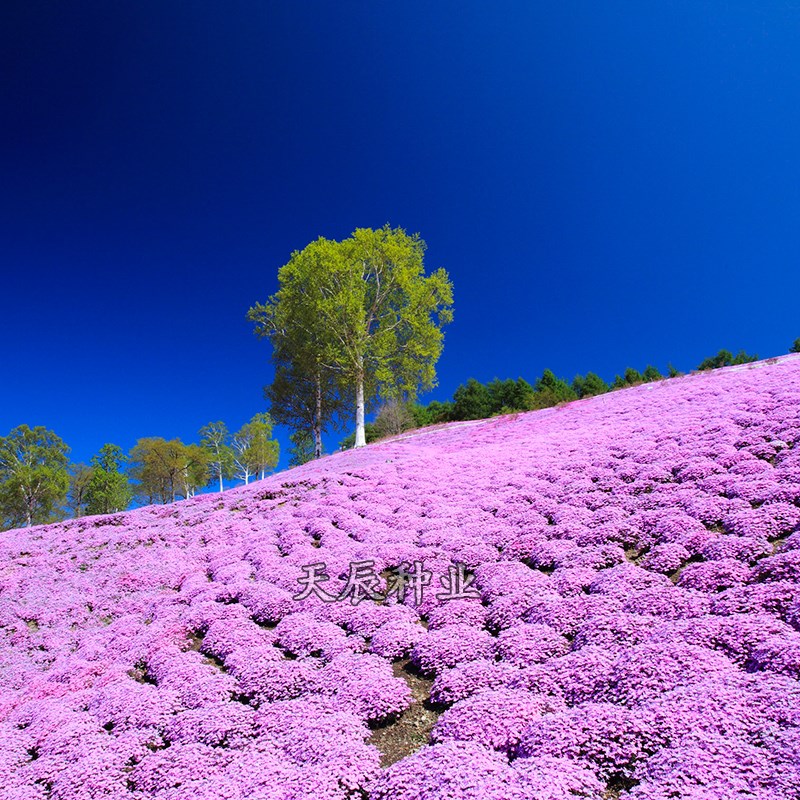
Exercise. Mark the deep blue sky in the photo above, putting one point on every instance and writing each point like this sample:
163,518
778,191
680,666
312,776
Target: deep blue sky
608,184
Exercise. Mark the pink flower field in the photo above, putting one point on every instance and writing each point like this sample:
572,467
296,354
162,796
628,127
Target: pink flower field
618,616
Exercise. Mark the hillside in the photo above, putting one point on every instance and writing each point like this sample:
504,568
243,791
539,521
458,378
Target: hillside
637,633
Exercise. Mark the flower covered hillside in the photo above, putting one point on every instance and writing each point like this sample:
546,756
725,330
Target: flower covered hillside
599,600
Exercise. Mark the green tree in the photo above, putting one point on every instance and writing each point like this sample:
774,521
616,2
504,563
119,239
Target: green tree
419,413
34,478
724,358
166,470
432,414
633,377
589,386
651,374
264,449
795,348
108,490
744,358
304,398
438,412
80,476
216,440
510,395
594,385
551,391
672,371
303,449
255,452
368,312
471,400
155,470
195,469
305,393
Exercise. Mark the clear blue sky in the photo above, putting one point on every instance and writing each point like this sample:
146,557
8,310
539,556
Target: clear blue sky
608,184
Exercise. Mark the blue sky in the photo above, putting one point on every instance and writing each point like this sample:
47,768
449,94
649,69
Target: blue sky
608,184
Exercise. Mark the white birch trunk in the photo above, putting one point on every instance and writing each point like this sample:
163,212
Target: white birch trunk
361,439
318,420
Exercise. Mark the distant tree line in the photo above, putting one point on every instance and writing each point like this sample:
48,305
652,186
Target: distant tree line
727,359
38,484
475,400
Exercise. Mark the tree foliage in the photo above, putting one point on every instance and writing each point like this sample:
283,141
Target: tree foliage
165,471
795,348
34,476
550,391
80,476
305,393
302,450
434,413
362,314
304,399
589,386
511,395
471,400
215,438
108,490
255,452
651,374
724,358
633,377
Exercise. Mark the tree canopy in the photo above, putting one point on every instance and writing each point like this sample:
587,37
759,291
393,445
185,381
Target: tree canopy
302,450
724,358
80,476
255,452
108,489
216,440
551,390
34,476
589,386
167,470
359,317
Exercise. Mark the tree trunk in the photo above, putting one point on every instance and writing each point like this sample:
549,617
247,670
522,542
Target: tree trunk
220,476
361,438
317,441
318,420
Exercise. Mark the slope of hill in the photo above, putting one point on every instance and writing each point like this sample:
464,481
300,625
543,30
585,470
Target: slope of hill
636,633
